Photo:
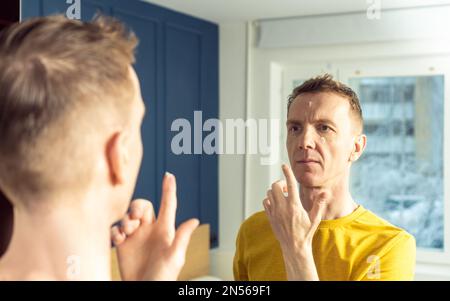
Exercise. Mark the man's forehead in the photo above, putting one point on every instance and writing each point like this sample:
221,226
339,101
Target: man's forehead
322,105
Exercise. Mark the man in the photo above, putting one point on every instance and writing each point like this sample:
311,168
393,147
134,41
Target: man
70,116
318,232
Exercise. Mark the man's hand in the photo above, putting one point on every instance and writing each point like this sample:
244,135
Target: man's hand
150,249
293,226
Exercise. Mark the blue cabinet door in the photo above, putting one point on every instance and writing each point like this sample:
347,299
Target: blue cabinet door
177,64
190,57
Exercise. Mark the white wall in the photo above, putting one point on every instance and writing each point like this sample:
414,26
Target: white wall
232,104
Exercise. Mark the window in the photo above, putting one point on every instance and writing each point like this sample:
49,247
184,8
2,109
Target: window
400,175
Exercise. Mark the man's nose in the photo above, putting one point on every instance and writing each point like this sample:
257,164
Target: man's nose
306,139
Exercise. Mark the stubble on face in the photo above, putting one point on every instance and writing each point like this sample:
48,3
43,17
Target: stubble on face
320,134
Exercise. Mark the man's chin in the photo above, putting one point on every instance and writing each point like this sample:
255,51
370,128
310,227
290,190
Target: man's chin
309,180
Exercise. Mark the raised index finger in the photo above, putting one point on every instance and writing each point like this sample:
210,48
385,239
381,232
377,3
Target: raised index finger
291,181
167,211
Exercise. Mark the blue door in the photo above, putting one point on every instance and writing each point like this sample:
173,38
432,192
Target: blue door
177,64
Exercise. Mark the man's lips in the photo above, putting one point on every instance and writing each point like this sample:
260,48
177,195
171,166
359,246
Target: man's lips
308,161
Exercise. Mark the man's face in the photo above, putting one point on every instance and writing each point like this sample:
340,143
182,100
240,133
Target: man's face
320,138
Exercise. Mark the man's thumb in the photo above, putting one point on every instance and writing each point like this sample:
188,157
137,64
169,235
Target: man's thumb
317,211
183,235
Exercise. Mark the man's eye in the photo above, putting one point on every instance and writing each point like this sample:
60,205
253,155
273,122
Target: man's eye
294,129
324,128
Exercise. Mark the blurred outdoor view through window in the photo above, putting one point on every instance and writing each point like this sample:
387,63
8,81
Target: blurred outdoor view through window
400,175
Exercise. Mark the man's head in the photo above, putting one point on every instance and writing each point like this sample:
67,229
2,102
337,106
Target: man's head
324,125
70,113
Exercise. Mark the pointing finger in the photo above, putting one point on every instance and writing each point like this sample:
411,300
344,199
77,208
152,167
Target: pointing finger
168,209
292,188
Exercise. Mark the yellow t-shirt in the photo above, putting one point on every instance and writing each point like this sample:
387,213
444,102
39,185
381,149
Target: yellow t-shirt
359,246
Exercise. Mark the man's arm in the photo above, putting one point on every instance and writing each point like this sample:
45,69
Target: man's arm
293,226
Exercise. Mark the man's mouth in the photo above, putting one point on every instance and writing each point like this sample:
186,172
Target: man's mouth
308,161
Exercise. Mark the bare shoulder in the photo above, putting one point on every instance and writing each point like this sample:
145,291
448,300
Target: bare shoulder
9,274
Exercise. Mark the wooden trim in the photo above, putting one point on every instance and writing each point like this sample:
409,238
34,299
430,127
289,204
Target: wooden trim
197,255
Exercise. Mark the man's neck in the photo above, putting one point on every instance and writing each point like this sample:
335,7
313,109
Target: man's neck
340,203
58,244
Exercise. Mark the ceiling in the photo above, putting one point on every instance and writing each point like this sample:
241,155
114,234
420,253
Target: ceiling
228,11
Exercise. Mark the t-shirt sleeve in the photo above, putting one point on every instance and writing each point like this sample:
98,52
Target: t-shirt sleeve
239,264
395,263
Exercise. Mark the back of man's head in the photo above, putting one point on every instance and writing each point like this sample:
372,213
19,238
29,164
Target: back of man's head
62,84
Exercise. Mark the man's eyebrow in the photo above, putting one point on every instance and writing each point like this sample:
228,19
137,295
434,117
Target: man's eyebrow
293,121
325,120
321,120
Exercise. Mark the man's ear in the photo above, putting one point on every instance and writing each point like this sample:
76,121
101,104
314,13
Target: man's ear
358,147
117,157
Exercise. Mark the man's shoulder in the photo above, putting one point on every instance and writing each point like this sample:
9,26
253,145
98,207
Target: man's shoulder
381,227
256,222
372,219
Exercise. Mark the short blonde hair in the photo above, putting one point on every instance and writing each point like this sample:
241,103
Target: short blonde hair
59,78
326,83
